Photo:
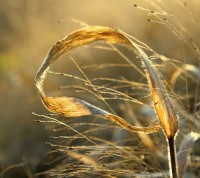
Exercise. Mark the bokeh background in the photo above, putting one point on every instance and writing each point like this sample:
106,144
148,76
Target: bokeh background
28,28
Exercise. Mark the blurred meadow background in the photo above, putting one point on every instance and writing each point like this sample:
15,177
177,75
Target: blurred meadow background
28,28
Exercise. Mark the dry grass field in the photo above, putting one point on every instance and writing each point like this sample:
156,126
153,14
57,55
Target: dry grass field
99,88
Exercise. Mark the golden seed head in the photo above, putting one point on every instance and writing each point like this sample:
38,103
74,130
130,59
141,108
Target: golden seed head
166,115
164,109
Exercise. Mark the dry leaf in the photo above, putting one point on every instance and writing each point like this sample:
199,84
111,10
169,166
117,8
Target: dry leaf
71,107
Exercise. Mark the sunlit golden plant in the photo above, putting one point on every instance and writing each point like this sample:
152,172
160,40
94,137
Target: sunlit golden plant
73,107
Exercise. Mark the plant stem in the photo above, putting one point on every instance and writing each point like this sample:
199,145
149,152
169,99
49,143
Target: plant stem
172,156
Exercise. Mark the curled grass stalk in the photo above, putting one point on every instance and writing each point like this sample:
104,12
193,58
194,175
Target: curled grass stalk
73,107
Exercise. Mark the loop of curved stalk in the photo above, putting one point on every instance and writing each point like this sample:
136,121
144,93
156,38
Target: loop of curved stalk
72,107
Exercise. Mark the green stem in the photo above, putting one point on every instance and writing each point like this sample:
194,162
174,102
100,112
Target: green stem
172,155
